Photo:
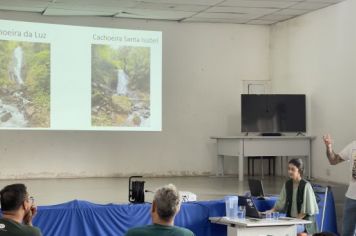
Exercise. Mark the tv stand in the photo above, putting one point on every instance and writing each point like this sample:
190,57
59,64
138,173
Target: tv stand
244,146
271,134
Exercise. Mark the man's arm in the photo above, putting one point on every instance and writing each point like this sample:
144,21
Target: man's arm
334,158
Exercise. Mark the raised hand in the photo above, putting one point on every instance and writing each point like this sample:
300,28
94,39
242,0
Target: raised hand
332,156
28,218
33,210
29,215
327,140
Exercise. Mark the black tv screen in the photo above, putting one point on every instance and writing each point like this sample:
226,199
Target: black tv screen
272,113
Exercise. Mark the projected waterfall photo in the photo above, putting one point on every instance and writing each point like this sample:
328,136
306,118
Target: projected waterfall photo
120,86
24,84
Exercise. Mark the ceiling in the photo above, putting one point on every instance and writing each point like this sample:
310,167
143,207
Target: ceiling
260,12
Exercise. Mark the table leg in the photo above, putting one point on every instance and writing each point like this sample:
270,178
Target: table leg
241,168
269,167
220,166
262,167
281,166
309,168
241,162
309,162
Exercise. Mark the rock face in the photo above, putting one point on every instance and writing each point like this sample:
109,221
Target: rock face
15,108
121,103
5,117
112,109
11,115
29,111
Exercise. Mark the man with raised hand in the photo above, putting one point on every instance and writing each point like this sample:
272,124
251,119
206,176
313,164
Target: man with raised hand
347,154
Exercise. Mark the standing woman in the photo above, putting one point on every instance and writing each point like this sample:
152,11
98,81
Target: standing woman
297,198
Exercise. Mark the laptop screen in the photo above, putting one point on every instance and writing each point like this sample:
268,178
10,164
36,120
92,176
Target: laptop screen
251,210
256,188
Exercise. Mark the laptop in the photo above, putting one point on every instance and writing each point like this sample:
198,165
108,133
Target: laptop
251,210
256,188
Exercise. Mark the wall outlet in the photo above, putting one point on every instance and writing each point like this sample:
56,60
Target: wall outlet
328,172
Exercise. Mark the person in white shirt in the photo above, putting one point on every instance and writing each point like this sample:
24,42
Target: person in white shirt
347,154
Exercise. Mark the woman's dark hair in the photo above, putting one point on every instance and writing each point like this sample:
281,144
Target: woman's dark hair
12,197
297,162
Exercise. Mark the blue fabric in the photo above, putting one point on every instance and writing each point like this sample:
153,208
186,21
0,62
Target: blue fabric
81,218
330,223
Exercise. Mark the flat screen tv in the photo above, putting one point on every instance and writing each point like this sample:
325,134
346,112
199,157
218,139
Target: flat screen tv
273,113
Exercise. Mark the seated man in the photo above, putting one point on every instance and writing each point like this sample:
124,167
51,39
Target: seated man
18,209
165,206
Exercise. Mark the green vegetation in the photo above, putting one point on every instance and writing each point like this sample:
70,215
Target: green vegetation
108,107
121,103
34,93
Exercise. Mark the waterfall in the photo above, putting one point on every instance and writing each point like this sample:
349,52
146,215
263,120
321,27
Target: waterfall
18,61
10,116
140,114
122,83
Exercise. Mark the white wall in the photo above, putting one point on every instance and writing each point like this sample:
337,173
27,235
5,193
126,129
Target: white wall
316,54
203,66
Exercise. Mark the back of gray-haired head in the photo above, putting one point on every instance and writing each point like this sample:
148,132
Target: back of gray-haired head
167,201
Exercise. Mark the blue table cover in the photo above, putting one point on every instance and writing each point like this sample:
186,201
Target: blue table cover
81,218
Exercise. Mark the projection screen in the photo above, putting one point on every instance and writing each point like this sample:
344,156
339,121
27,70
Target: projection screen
61,77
